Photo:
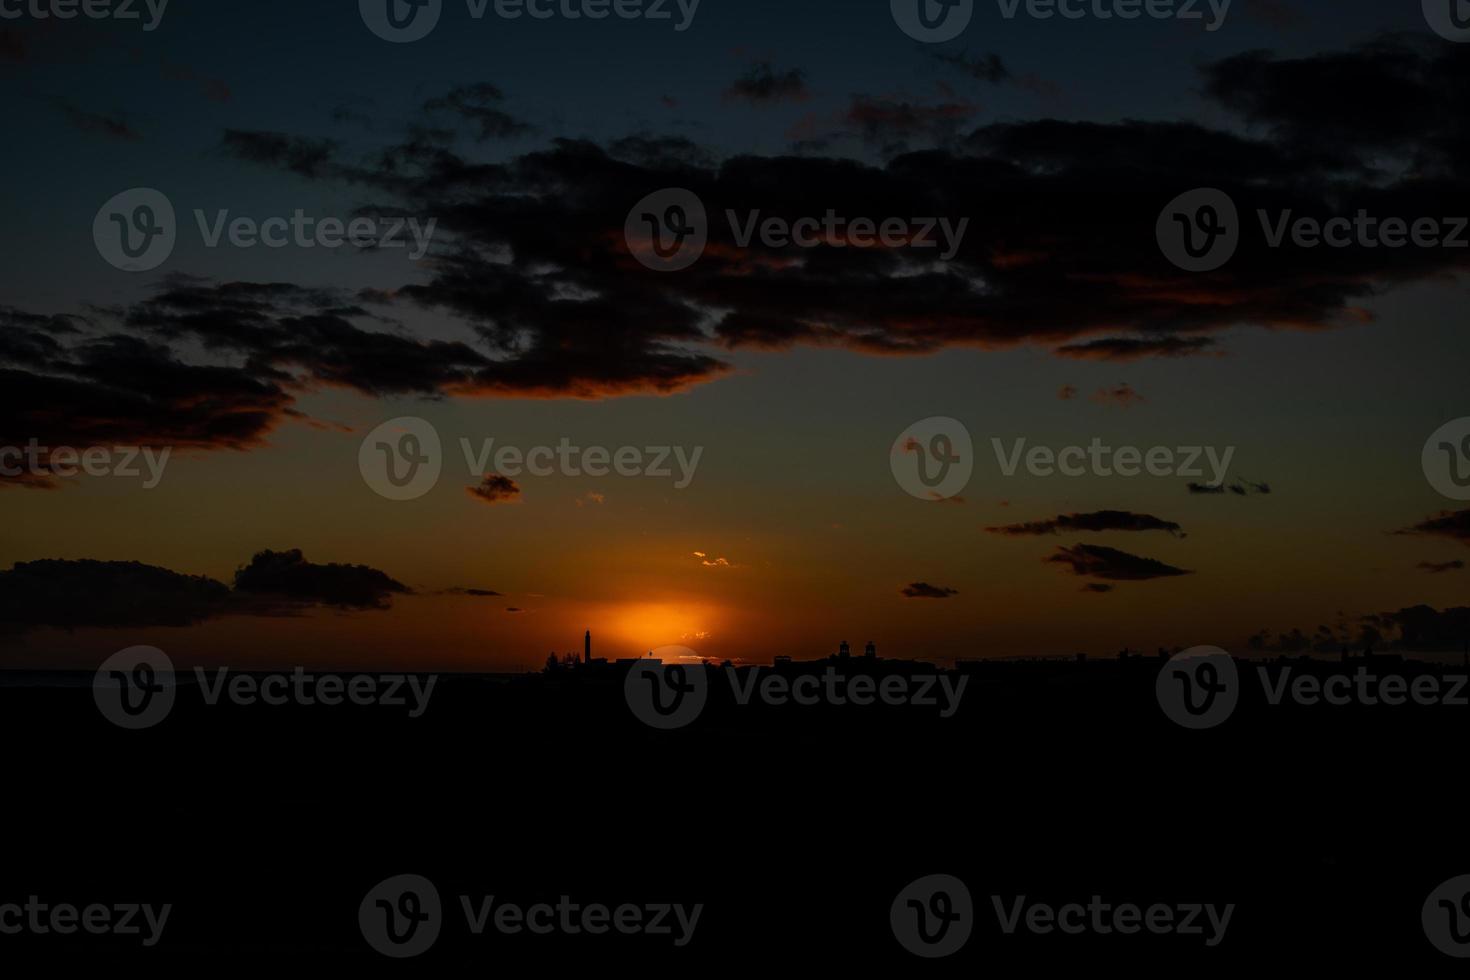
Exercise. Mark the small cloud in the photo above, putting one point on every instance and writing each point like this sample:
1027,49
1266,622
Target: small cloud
514,609
476,593
985,68
1097,587
1439,567
1454,525
495,489
923,590
1067,392
762,85
1241,488
1096,561
1138,348
1123,395
112,126
591,497
1102,520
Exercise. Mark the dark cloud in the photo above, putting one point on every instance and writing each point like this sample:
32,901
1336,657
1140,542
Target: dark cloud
923,590
763,85
1454,525
1096,561
477,593
1138,348
1240,488
289,577
1102,520
67,594
1439,567
110,125
531,262
983,68
480,105
1395,99
65,384
104,594
303,156
494,489
536,265
1098,588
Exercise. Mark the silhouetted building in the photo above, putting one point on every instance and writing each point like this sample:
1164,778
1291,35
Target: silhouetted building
870,651
844,651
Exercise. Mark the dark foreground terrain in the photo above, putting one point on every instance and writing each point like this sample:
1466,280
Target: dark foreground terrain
794,827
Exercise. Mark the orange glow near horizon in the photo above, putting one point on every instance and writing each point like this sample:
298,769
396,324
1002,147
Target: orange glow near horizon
650,625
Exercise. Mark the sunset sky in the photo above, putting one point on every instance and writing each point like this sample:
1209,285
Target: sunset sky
1059,321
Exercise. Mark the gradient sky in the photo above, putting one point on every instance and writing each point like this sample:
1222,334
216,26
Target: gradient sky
794,487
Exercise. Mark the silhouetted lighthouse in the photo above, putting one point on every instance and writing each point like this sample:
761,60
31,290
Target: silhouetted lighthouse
587,648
